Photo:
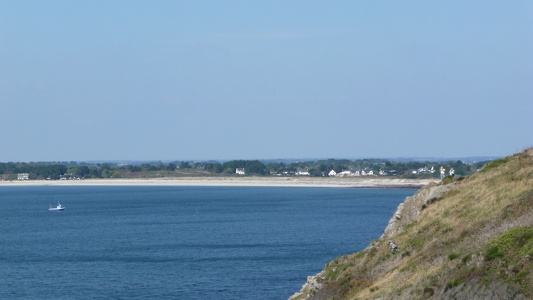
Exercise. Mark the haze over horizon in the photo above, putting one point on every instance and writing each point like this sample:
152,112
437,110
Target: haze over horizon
201,80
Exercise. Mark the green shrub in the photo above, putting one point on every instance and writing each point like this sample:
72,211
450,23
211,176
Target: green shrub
453,283
453,256
520,277
514,239
447,180
527,249
495,163
493,253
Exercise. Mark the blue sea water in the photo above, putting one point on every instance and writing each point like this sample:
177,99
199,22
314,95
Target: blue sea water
180,242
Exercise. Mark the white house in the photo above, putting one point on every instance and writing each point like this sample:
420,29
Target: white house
302,173
240,171
349,172
345,173
23,176
332,173
66,176
424,170
367,172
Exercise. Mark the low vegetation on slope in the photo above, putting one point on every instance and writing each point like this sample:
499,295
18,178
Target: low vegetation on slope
474,241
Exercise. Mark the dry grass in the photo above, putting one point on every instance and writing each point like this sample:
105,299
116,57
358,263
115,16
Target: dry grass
445,247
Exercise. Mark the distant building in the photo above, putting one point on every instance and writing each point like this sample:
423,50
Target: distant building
367,172
424,170
23,176
240,171
302,173
332,173
66,176
344,173
349,172
388,172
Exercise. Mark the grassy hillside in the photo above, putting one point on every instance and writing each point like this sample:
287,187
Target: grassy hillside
472,241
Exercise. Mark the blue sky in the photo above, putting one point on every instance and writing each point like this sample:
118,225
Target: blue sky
199,80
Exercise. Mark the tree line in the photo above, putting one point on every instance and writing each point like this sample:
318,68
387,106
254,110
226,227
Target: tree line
57,170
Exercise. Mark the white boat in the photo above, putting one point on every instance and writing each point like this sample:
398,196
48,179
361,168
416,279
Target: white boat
57,208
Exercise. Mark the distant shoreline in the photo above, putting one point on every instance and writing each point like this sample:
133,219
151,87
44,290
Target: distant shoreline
345,182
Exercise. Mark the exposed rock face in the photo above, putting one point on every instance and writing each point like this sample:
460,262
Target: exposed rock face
412,206
393,247
311,286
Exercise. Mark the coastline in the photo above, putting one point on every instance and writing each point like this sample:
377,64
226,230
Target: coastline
342,182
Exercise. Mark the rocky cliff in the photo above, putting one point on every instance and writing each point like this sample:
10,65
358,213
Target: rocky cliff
466,238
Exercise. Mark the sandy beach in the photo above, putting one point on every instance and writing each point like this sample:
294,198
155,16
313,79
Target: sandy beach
352,182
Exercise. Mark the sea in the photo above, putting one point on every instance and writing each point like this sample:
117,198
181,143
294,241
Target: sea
139,242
